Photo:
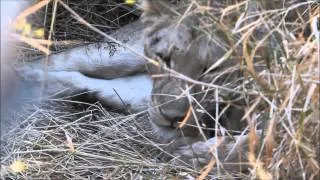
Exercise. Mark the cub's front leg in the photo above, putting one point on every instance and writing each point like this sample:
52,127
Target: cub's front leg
98,60
131,92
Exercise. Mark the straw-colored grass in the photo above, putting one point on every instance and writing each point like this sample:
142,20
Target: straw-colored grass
60,141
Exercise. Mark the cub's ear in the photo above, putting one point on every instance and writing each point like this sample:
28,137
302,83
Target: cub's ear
156,15
157,8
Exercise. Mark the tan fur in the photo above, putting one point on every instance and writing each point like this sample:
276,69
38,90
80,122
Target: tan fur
180,47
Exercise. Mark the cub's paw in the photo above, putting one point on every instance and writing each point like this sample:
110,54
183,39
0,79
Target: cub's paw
230,153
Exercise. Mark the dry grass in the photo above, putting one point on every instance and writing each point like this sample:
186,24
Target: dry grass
107,16
60,141
284,38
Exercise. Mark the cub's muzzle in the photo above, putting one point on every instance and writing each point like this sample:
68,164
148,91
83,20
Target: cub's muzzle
169,96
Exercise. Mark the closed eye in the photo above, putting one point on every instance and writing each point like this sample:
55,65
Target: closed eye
165,59
154,41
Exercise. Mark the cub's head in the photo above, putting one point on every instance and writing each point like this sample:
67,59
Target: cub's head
175,44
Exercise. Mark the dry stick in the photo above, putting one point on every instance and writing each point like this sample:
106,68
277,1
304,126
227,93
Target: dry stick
125,106
195,117
70,101
207,170
215,120
32,42
185,119
191,110
32,9
46,62
216,93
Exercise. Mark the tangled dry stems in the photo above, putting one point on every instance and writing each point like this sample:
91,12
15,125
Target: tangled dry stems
284,97
64,141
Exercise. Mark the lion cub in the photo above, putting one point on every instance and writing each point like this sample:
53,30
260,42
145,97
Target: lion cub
178,45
